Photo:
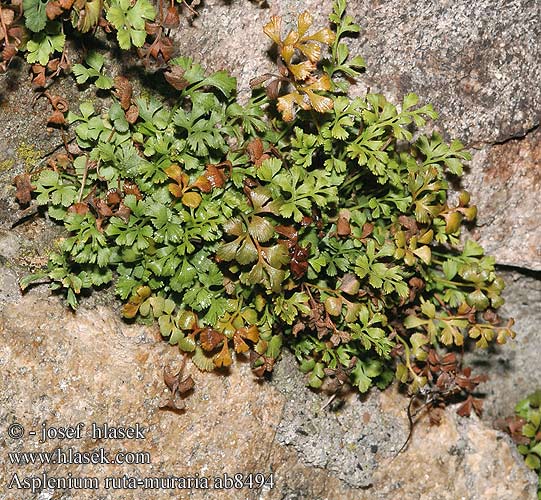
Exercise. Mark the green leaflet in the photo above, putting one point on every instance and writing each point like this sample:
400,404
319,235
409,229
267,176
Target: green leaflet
94,62
129,20
45,43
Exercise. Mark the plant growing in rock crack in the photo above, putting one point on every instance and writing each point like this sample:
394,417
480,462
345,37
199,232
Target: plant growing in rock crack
326,227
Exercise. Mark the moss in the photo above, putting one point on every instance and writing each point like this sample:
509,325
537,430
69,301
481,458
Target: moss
29,155
5,165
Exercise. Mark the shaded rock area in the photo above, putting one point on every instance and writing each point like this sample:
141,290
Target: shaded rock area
479,65
91,367
514,368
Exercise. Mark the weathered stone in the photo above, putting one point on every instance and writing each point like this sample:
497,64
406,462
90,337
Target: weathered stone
458,459
24,136
343,441
505,183
474,61
63,369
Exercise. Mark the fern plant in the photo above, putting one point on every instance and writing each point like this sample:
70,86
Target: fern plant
304,219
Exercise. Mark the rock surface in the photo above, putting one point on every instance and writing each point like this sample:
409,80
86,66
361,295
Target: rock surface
505,182
63,369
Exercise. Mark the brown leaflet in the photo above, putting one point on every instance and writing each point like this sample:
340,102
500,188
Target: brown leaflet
298,255
350,284
105,25
338,337
173,404
299,260
39,79
214,177
61,160
471,403
24,188
203,184
186,385
258,154
251,333
162,46
337,380
60,106
258,80
447,380
113,197
53,9
273,89
53,64
180,187
79,208
8,53
132,114
416,285
123,213
343,227
410,224
6,18
290,233
210,338
317,320
180,179
124,91
368,227
152,28
172,18
103,209
255,149
130,187
179,387
513,426
66,4
11,36
223,358
59,103
298,327
171,380
57,118
261,364
491,317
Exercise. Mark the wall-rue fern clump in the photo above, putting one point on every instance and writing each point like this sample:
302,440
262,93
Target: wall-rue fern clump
325,227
